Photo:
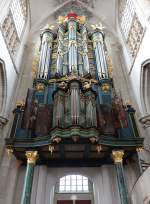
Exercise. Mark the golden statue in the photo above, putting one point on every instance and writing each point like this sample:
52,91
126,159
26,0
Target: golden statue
48,26
82,19
98,26
61,19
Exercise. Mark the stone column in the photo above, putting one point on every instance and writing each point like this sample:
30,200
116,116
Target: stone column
3,122
117,156
31,160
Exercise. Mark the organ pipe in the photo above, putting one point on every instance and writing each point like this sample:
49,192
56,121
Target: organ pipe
45,53
98,43
60,50
85,50
72,47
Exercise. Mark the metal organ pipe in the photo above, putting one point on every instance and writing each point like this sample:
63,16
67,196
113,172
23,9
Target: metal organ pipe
72,48
75,103
60,50
90,110
98,43
45,53
85,50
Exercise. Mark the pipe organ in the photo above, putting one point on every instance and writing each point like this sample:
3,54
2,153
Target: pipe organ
66,88
72,109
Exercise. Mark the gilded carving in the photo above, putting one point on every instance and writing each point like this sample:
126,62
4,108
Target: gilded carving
98,26
105,87
140,149
32,156
40,87
51,148
99,148
118,156
9,152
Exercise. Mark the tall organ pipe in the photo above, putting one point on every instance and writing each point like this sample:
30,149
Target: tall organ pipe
72,47
60,50
98,43
45,53
75,103
85,50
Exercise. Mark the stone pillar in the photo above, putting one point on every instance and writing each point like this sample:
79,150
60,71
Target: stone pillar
3,122
31,160
117,156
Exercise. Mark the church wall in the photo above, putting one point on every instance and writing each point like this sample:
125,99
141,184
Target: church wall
11,74
135,73
133,66
140,192
104,180
13,68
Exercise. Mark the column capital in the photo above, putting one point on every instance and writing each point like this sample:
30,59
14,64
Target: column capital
32,156
117,156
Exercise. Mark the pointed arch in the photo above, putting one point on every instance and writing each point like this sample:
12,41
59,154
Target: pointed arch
3,86
145,86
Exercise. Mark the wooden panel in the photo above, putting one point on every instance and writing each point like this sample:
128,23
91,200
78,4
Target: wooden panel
64,202
83,201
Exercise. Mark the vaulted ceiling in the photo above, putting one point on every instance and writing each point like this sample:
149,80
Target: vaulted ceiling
46,11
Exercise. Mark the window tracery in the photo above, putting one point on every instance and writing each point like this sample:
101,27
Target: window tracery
13,24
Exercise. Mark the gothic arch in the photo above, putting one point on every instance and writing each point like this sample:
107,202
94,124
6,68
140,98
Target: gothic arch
145,86
3,86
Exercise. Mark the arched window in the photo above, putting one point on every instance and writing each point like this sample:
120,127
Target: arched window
130,26
73,184
145,86
2,85
14,23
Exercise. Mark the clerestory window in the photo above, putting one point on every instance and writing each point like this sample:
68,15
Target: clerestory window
130,25
13,24
19,12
